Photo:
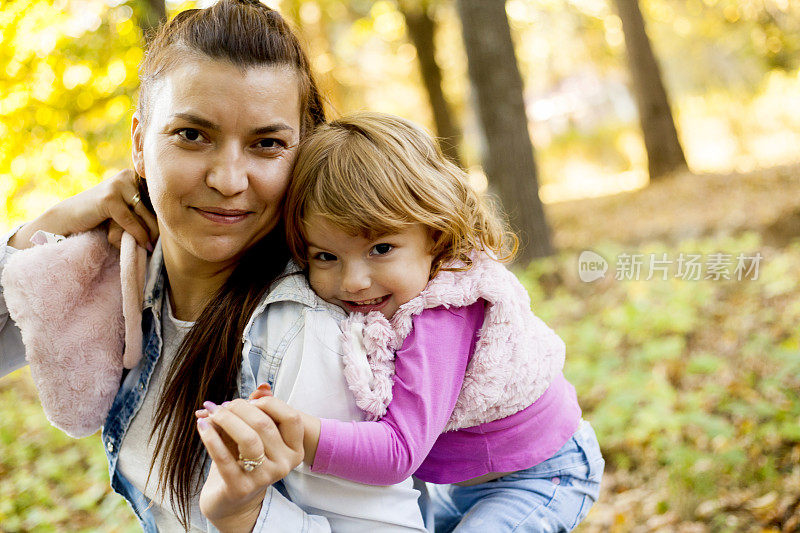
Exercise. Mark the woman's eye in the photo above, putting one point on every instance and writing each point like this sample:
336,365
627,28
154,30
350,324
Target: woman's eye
324,256
381,249
189,134
270,144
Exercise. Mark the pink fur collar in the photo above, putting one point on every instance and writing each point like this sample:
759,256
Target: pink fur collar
516,355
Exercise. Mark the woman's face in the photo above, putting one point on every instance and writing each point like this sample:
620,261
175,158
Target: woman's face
216,152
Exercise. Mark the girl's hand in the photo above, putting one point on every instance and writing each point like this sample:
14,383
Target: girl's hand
231,496
261,391
115,199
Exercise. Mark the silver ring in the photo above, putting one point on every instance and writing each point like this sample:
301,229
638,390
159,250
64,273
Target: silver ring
248,465
135,200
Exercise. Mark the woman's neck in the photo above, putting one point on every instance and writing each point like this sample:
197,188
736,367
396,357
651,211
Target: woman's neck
192,283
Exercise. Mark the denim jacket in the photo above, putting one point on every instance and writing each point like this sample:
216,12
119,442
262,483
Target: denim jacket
290,342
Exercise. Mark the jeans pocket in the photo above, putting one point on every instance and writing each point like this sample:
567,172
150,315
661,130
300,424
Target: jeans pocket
586,440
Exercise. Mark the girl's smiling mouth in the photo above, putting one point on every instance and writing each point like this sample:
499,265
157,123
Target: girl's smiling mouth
366,306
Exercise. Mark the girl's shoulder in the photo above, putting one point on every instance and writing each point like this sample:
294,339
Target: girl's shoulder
292,286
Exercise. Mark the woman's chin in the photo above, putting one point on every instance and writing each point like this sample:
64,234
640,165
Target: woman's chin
214,249
221,251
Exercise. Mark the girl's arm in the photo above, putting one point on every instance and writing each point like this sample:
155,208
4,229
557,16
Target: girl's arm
429,371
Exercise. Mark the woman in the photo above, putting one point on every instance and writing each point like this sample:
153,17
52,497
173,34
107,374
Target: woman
226,95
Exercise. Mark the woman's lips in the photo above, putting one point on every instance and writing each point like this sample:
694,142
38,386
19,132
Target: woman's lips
357,307
223,216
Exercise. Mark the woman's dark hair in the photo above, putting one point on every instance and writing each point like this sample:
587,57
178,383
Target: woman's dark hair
247,34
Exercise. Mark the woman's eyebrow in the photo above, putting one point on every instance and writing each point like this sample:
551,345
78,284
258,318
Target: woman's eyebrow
271,128
194,119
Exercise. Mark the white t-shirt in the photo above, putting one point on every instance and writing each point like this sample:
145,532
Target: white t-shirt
136,452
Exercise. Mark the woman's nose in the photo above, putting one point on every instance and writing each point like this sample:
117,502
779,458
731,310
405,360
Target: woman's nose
355,278
228,172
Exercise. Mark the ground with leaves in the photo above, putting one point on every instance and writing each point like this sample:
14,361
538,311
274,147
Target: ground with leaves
690,385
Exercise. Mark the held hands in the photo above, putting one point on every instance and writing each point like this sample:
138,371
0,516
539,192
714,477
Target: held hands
115,199
252,443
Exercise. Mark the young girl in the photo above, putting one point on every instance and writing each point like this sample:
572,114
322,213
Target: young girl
463,383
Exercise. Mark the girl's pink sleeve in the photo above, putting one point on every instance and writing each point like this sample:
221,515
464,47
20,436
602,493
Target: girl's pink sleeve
429,371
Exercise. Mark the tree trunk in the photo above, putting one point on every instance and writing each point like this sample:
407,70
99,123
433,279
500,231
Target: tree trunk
497,86
664,151
421,30
152,13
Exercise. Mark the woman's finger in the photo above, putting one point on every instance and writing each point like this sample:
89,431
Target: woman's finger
271,440
114,234
120,213
287,419
122,202
148,218
289,422
227,465
246,433
275,461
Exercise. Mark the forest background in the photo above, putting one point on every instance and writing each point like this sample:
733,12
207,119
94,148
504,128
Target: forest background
691,384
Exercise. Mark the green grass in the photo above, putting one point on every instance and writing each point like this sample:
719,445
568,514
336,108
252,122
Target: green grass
49,481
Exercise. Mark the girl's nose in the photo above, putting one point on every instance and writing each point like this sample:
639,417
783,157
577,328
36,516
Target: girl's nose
228,172
355,278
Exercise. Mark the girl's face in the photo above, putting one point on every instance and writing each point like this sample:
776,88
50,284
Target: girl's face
216,152
363,275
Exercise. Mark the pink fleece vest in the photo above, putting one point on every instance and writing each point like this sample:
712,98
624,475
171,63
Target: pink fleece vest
78,303
515,359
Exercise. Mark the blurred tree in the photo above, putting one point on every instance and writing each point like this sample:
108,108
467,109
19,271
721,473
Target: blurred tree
421,29
70,73
508,161
664,151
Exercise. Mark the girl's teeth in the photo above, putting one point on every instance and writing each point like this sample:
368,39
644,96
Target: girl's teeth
370,302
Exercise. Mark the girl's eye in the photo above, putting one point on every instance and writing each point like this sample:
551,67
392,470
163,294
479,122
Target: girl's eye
189,134
381,249
324,256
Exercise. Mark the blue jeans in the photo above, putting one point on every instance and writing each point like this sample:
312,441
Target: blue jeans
554,495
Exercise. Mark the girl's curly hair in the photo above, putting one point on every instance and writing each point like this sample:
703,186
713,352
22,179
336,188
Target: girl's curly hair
372,174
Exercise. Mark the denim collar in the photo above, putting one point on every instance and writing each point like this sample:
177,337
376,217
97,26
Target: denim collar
155,280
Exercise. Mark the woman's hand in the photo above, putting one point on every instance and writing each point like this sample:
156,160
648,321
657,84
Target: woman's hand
115,199
231,496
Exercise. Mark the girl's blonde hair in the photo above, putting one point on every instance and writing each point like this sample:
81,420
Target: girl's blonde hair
371,174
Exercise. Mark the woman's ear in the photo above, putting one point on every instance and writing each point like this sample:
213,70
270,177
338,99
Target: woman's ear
137,145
